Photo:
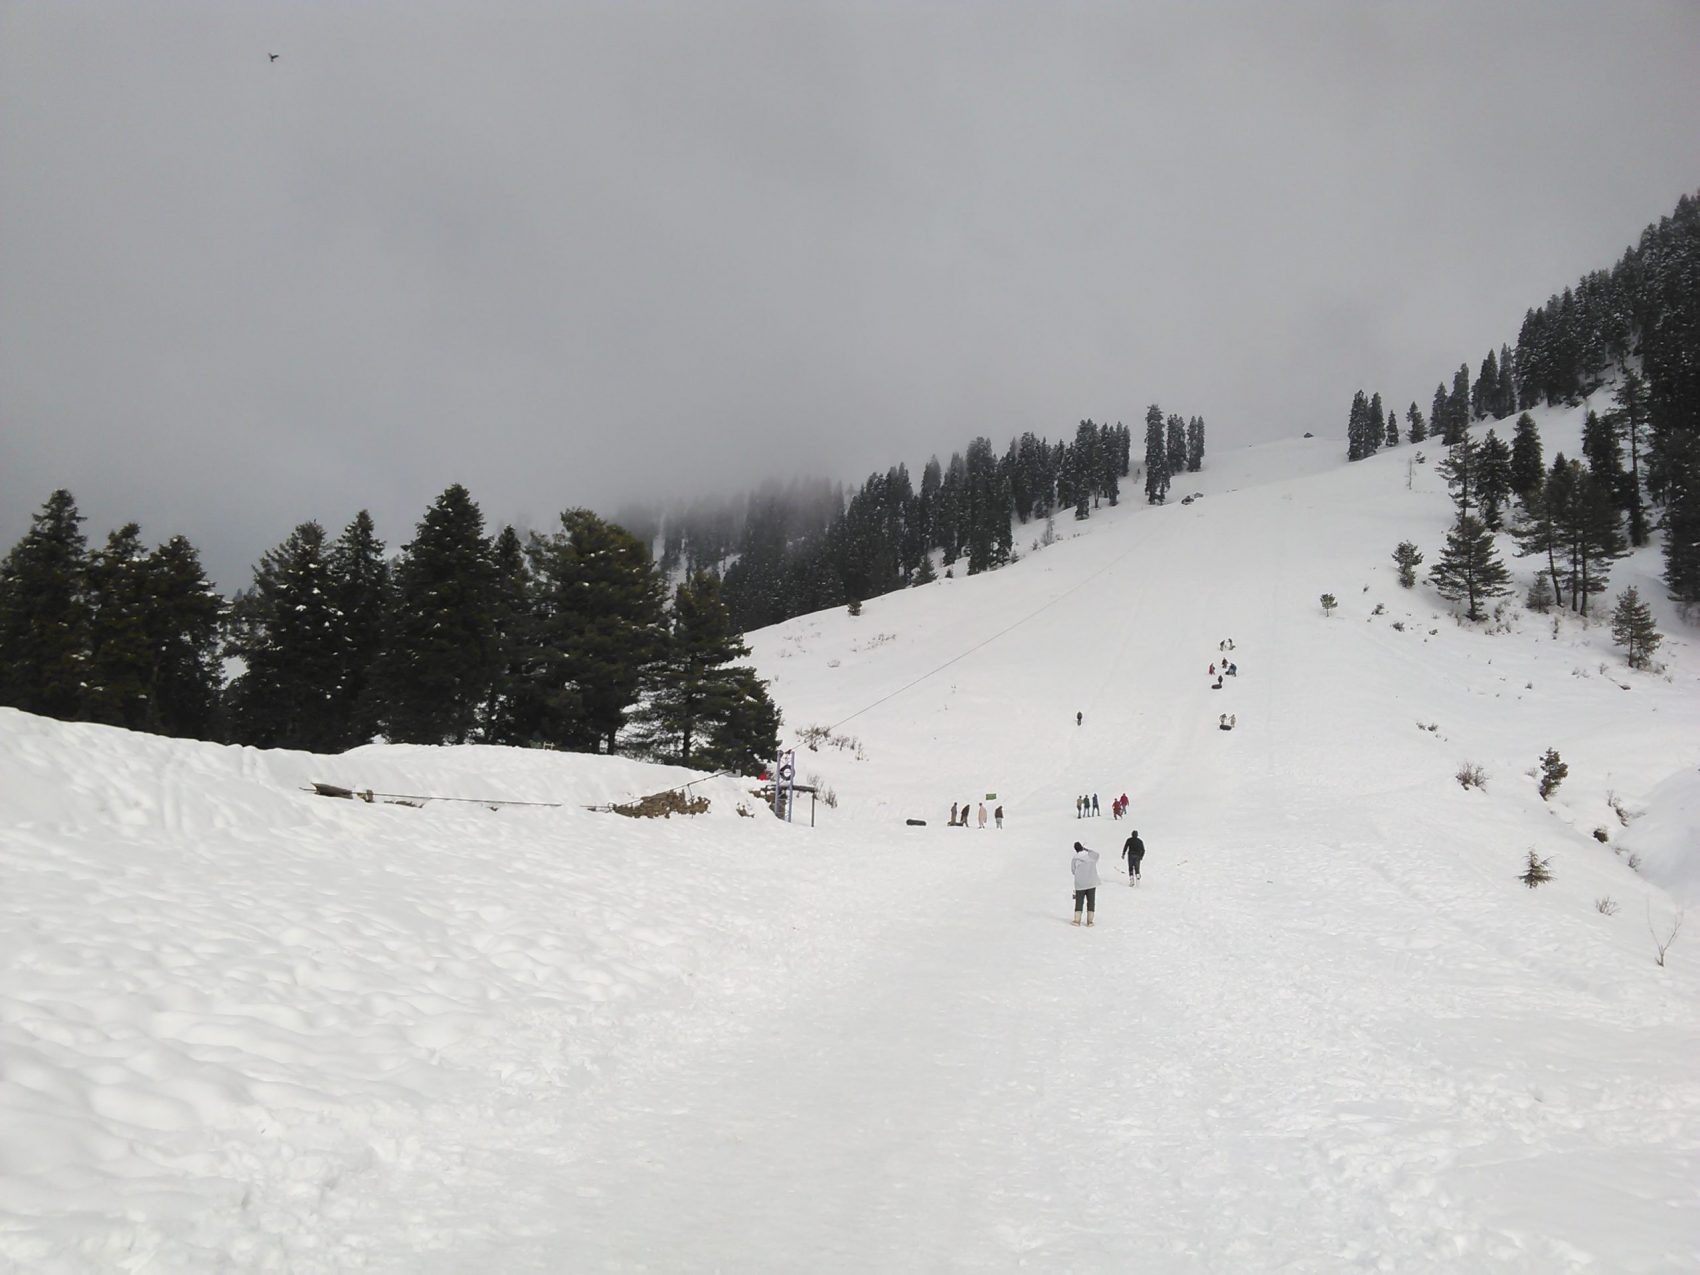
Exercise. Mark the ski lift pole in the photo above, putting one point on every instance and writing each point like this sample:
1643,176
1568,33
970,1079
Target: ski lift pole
789,774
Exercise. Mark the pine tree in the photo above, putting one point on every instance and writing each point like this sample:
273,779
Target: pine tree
44,614
441,658
1469,567
1459,470
1156,457
1419,430
288,633
1408,558
1085,467
1630,421
1603,450
1437,423
748,736
360,576
119,675
694,693
1392,438
1493,478
1505,400
1176,445
600,625
1588,529
1536,872
511,619
1357,426
1483,392
184,620
1377,426
1458,406
1553,772
1679,460
1538,530
1632,628
1527,468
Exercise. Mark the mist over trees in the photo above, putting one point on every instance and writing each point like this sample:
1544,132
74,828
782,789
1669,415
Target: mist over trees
788,550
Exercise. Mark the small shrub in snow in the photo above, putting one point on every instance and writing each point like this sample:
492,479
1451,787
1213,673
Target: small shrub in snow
1539,599
1606,906
1399,625
1536,872
1616,803
1329,602
1663,945
1471,775
1634,861
823,790
1379,610
1553,771
1408,558
1601,835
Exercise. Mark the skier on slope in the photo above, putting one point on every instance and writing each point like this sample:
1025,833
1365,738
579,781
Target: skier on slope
1084,866
1134,853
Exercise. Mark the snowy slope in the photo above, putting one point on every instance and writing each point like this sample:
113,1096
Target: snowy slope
242,1027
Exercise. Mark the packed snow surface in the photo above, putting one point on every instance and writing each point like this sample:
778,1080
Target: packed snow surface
244,1027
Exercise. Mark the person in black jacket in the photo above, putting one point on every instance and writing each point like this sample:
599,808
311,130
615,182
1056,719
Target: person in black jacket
1134,853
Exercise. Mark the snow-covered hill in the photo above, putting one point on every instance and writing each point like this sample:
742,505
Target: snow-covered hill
244,1027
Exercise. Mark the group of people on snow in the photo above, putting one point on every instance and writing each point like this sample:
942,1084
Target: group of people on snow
1086,807
966,807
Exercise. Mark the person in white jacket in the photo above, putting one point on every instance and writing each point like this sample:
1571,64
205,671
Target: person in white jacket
1084,865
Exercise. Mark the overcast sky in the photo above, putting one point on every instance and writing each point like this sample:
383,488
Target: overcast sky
569,254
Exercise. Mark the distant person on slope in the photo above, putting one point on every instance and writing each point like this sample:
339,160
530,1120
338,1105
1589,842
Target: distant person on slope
965,814
982,814
1094,805
1084,866
998,815
1134,853
1078,718
953,814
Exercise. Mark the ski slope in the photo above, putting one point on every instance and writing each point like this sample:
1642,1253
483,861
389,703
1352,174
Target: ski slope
242,1027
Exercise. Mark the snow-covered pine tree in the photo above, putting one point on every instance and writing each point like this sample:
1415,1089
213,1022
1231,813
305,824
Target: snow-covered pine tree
1377,425
288,632
1195,444
1176,445
1419,428
1357,425
1156,457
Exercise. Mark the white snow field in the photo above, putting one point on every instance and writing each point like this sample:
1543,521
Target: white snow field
245,1028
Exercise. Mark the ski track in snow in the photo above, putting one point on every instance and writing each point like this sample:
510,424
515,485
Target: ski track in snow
244,1028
